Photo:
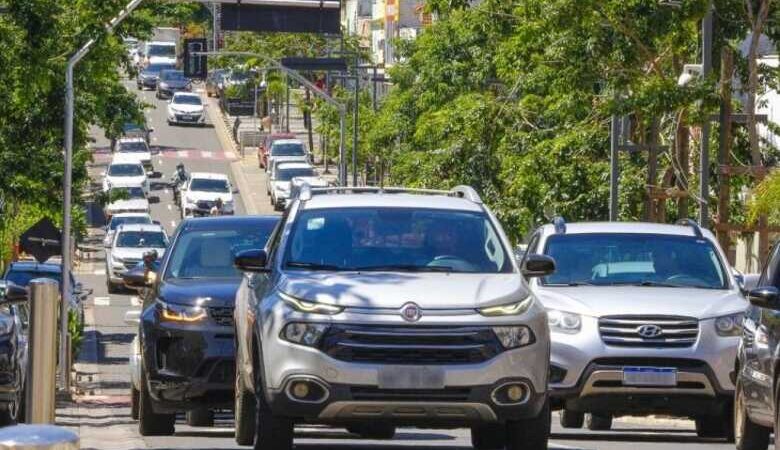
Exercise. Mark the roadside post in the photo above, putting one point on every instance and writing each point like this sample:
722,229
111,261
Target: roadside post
38,437
42,367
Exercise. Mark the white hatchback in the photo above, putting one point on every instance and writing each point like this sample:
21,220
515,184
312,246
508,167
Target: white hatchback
125,172
186,108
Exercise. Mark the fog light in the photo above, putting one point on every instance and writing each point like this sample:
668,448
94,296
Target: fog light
515,393
300,390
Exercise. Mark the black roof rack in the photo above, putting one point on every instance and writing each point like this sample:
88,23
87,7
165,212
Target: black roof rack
560,225
693,224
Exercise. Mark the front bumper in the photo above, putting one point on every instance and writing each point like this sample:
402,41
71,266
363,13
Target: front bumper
168,92
461,395
587,374
188,365
195,119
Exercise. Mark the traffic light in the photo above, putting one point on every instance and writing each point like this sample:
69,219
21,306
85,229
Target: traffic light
195,66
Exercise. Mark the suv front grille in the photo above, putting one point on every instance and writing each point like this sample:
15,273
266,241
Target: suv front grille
670,331
222,316
131,263
411,345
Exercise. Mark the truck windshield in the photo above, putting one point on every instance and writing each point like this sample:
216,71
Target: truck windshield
164,51
141,239
396,239
635,259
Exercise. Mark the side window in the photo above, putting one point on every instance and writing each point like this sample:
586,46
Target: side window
769,276
276,237
533,244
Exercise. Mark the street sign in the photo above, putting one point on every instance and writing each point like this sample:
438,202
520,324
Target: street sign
320,16
316,64
43,240
195,66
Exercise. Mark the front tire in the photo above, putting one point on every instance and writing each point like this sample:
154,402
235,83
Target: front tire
135,397
200,418
529,434
244,411
151,423
273,432
572,419
488,437
598,422
747,435
374,431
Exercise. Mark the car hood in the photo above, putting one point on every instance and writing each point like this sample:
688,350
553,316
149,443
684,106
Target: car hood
394,289
214,292
283,185
138,156
599,301
136,204
187,108
127,181
277,159
175,83
199,196
314,182
134,253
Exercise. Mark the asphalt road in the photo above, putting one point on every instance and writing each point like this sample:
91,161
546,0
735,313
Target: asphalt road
200,150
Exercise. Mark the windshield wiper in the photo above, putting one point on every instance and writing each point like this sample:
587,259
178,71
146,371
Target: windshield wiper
314,266
405,268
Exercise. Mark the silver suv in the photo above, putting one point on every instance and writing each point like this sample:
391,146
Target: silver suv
376,308
644,318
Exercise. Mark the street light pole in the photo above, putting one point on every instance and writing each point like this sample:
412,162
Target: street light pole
704,162
67,254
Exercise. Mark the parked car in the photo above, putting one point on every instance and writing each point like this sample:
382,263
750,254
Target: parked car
122,219
756,403
266,143
313,182
171,82
183,356
201,192
150,75
128,199
280,181
130,243
126,170
186,108
645,319
380,308
14,351
214,82
135,149
288,150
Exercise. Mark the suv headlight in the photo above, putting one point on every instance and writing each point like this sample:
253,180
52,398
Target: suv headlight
181,314
308,334
310,307
564,322
512,309
514,337
730,325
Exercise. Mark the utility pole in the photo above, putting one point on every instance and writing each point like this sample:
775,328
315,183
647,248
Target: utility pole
704,162
614,171
356,126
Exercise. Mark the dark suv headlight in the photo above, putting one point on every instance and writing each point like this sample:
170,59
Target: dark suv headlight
181,314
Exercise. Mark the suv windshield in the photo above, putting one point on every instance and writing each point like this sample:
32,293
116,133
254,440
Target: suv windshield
210,253
132,192
133,147
635,259
156,69
186,100
172,75
287,150
289,174
116,221
125,170
396,239
206,185
168,51
141,239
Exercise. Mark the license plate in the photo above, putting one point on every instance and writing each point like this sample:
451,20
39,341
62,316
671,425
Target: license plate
649,376
399,377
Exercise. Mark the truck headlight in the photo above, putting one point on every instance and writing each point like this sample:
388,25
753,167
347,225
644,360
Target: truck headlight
180,314
310,307
308,334
730,325
514,337
512,309
564,322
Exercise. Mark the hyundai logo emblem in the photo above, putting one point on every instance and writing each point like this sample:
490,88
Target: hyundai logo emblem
411,312
650,331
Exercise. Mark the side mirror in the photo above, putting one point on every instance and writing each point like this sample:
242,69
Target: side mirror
536,266
766,297
252,261
133,318
11,293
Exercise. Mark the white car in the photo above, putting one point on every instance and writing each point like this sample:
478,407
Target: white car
297,182
127,249
125,173
124,219
201,192
135,149
135,201
288,150
186,108
280,181
159,52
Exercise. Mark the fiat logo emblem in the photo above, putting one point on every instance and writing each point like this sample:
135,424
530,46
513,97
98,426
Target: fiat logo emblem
650,331
411,312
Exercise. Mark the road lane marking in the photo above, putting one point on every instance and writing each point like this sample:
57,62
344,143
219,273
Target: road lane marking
99,272
135,301
102,301
166,191
230,155
183,154
159,161
170,207
173,223
206,154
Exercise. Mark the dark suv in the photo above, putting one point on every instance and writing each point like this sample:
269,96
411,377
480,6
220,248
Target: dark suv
14,326
185,357
757,397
